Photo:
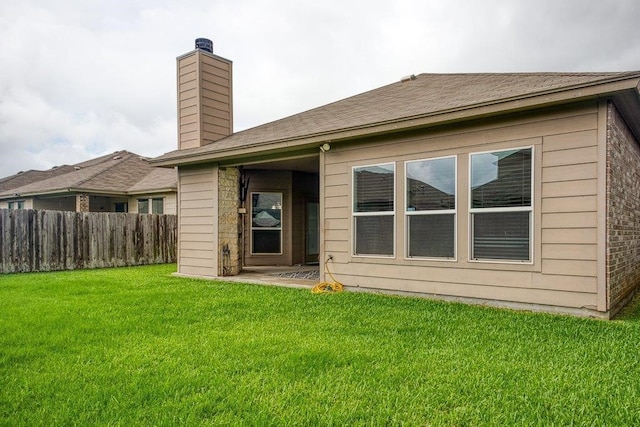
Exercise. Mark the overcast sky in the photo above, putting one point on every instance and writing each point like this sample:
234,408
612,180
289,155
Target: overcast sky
82,78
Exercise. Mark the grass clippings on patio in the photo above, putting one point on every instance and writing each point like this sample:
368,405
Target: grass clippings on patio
136,346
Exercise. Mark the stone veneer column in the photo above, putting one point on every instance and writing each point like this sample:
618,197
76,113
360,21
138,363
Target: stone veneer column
82,203
229,221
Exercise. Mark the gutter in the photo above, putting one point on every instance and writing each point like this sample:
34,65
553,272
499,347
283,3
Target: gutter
63,192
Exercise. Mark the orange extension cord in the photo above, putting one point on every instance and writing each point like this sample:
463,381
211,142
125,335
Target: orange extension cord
326,287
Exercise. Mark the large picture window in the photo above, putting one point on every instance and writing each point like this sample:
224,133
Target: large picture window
431,208
501,205
266,223
374,209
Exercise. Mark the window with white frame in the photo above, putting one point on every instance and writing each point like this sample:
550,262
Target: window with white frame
431,208
501,206
121,207
266,223
374,209
143,206
19,204
156,205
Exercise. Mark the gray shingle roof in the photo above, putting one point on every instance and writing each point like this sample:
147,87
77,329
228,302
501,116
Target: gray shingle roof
158,178
122,173
28,177
426,94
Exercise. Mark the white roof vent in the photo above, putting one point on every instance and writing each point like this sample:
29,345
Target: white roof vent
408,78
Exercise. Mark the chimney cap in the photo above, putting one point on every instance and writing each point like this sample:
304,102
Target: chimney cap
204,44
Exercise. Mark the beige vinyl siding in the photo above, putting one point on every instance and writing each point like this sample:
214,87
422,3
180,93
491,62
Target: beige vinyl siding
216,107
204,99
197,228
170,203
563,271
188,122
336,210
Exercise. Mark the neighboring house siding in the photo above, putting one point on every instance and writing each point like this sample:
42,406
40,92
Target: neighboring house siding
169,204
564,268
623,216
197,217
28,203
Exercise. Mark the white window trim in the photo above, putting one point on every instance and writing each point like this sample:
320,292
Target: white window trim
149,200
15,204
251,228
530,209
151,204
355,214
433,212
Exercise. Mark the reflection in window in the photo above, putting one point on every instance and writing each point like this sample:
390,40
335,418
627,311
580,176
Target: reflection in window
501,208
373,209
16,204
266,223
143,206
157,206
431,207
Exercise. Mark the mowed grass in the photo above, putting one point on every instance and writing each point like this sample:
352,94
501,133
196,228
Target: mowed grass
136,346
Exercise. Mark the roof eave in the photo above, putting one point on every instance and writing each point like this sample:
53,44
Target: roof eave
153,191
594,91
63,192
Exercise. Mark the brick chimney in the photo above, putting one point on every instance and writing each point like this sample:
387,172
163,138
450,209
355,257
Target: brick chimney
205,102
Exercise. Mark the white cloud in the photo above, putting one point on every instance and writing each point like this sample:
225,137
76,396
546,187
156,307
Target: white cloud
84,78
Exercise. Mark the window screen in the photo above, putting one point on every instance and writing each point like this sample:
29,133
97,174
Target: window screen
431,207
157,206
266,223
501,207
373,209
143,206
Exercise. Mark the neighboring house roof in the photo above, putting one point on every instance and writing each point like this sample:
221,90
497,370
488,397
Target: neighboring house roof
119,173
158,178
417,101
28,177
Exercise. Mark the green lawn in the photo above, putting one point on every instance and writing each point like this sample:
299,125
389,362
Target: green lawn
136,346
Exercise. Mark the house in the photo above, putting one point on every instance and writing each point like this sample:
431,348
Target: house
118,182
511,189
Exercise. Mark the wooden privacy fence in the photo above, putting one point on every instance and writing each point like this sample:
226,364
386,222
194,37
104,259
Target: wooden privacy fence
35,240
